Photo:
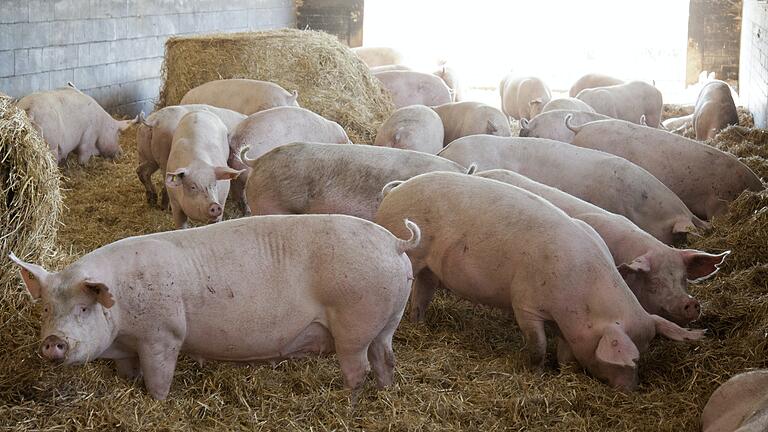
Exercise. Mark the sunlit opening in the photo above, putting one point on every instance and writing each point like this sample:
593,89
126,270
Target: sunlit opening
556,40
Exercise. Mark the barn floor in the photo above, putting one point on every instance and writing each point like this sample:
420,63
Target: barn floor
463,369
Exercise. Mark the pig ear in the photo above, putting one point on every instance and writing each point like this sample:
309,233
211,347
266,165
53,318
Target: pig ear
673,331
34,276
639,264
701,265
173,178
616,348
100,292
123,125
226,173
684,226
396,137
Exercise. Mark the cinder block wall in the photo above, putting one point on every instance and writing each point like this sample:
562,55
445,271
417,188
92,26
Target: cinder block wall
113,49
714,30
341,18
753,70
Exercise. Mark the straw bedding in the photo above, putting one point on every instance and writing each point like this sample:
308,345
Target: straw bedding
330,79
463,369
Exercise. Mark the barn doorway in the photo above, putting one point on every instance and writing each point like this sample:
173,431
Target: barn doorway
556,40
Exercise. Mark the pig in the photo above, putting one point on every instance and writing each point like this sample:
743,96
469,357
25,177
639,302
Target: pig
705,178
471,118
592,80
414,127
155,135
629,101
714,111
499,245
449,76
657,274
263,131
245,96
551,124
569,103
197,176
332,178
675,124
414,88
607,181
378,56
247,290
738,405
523,97
71,121
376,69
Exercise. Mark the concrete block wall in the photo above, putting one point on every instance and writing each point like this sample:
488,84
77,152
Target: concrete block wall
113,49
341,18
753,70
714,32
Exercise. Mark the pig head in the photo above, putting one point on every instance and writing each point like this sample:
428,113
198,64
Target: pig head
79,313
661,282
200,189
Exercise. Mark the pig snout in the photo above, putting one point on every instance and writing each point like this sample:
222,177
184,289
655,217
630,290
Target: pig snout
214,212
54,348
691,310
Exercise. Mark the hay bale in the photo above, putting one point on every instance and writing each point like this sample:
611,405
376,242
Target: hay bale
29,180
29,218
330,79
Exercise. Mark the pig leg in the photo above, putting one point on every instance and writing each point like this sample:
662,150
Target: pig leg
237,186
87,147
128,368
424,287
354,367
534,336
158,362
145,171
381,355
564,353
164,200
179,218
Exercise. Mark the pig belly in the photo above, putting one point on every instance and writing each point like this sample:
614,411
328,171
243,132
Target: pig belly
254,343
271,317
472,274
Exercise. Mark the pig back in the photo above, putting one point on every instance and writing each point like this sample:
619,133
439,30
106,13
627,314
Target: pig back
271,128
335,178
245,96
742,401
415,88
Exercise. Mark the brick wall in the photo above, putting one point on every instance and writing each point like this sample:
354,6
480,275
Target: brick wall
714,29
113,49
753,71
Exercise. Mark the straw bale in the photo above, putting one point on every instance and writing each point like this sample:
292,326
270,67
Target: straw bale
330,79
29,181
